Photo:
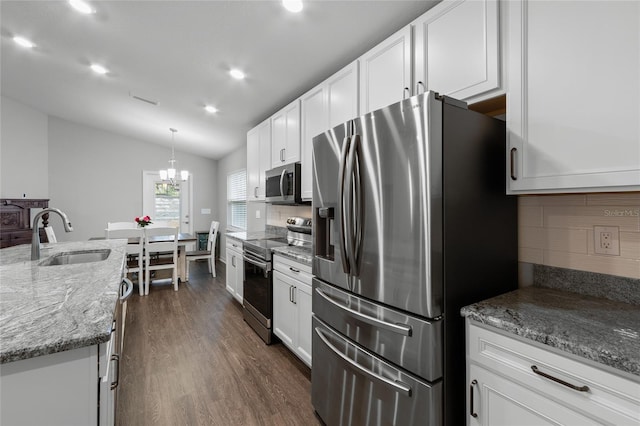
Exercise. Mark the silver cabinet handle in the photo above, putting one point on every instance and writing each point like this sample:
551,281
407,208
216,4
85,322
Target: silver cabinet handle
282,154
514,176
402,329
397,385
290,296
472,412
255,192
233,261
116,358
562,382
297,271
126,288
293,295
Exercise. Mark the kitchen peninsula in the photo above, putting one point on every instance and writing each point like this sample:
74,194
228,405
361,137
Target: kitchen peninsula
56,331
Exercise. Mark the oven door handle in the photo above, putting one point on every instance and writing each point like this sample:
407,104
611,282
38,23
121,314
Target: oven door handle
262,265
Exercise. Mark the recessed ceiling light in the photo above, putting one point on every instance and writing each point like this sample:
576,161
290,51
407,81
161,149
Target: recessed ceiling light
211,109
81,6
237,74
294,6
21,41
99,69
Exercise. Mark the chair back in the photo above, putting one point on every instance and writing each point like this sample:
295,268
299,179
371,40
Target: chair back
161,239
51,236
134,235
213,235
121,225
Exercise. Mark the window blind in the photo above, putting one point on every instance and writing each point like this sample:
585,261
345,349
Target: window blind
237,199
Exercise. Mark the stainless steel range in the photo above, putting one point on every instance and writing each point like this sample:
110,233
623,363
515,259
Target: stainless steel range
258,285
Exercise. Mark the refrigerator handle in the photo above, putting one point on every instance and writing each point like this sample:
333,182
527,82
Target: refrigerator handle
341,206
357,217
404,92
402,329
396,385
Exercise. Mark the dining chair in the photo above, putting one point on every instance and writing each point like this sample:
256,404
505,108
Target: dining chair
51,236
121,225
160,252
134,252
209,254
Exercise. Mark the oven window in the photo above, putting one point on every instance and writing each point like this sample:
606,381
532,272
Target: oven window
257,289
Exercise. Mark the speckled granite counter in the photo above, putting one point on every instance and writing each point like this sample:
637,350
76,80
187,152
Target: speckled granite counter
244,236
598,329
48,309
299,254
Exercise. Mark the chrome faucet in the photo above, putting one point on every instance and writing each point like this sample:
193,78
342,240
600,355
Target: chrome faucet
35,239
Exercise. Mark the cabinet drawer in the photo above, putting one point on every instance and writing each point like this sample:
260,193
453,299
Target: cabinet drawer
293,269
612,398
234,245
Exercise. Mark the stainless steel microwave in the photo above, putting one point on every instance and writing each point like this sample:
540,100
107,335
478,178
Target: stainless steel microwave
283,185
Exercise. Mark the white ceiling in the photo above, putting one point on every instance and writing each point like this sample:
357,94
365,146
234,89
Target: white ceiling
179,53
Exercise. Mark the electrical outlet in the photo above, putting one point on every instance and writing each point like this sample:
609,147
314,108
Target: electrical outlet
606,240
257,214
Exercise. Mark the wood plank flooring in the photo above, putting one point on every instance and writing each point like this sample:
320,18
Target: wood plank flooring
190,359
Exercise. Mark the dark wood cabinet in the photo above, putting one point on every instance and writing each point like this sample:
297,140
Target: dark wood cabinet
15,220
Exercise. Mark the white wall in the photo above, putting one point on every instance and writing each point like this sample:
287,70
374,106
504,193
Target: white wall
23,151
237,160
96,177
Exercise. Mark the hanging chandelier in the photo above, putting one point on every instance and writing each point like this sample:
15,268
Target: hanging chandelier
169,175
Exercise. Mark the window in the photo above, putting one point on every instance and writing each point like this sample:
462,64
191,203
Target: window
237,199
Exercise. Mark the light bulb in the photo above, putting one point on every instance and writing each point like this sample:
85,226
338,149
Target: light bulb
163,174
184,174
171,173
294,6
237,74
81,6
21,41
99,69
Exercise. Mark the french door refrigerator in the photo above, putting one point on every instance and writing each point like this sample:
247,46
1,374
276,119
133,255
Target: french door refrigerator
410,223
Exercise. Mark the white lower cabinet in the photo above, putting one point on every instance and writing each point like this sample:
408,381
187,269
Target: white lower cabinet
505,390
292,306
65,388
235,268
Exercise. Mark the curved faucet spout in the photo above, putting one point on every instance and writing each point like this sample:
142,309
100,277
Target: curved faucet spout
35,239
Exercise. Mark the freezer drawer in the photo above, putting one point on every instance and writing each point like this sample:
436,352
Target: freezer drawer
352,386
412,343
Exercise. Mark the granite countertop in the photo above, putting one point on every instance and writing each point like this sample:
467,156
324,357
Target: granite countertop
245,236
602,330
48,309
297,253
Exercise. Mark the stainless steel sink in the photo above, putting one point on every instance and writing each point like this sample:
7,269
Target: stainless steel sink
75,257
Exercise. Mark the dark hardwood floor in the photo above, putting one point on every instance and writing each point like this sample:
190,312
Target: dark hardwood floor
190,359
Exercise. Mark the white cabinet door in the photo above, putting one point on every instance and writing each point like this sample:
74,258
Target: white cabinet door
457,49
573,96
342,95
235,269
331,103
284,310
253,164
500,402
302,299
314,121
285,140
264,134
385,72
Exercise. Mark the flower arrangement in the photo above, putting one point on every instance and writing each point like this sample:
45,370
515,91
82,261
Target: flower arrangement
143,221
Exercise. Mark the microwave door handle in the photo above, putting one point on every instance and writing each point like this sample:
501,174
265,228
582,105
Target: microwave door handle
282,182
341,204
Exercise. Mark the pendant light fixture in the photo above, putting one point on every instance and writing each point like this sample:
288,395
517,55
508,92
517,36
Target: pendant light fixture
169,175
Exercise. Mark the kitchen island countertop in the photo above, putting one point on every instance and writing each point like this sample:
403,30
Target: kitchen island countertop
48,309
598,329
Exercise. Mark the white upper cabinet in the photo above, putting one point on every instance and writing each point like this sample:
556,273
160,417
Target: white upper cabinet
573,102
258,160
285,140
314,121
329,104
457,50
385,72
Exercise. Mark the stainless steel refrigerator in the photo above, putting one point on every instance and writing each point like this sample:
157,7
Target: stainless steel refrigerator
410,223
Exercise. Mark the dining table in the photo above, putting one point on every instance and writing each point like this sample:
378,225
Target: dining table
184,238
